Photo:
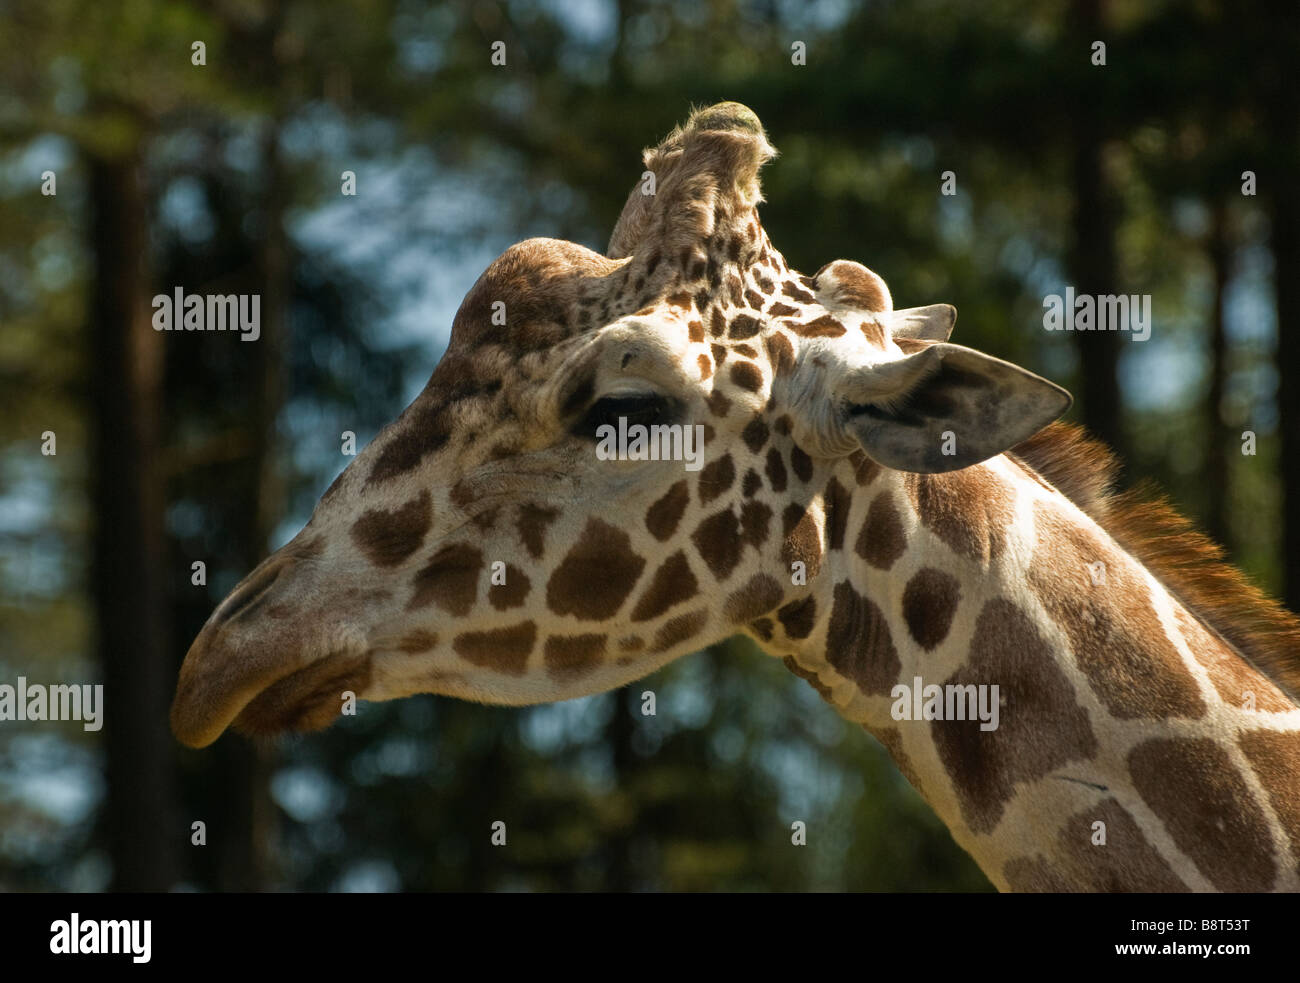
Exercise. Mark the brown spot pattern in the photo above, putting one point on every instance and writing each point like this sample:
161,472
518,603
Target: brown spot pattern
970,510
1275,757
837,502
858,644
747,376
504,650
754,519
865,469
801,464
929,603
387,538
775,470
662,517
1124,864
717,402
755,434
422,430
1192,786
596,575
803,543
717,538
672,583
797,293
873,332
449,580
780,353
1114,632
676,630
531,524
715,478
759,595
798,617
512,593
882,539
823,327
985,766
570,657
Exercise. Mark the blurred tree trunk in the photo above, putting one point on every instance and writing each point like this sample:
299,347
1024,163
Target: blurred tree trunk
249,847
1092,263
620,731
1282,111
127,559
1217,469
1285,220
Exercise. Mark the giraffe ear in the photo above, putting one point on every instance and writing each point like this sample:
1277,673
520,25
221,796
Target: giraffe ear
933,323
947,407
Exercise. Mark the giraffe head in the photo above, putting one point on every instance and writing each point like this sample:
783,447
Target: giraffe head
488,545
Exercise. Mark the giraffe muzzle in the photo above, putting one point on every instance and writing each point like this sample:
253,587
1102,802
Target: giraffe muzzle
268,660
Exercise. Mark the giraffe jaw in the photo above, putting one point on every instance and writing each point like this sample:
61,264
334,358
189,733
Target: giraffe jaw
306,700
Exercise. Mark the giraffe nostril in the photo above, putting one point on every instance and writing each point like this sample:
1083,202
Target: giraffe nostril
252,593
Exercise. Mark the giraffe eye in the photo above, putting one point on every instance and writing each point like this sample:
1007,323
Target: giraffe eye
636,409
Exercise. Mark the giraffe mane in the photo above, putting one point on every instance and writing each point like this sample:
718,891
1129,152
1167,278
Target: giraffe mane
1187,562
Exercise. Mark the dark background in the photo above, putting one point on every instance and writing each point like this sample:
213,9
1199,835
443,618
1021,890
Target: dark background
225,178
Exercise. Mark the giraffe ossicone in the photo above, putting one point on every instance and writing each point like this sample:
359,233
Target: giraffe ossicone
875,505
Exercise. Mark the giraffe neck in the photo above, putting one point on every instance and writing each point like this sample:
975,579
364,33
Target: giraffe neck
1133,749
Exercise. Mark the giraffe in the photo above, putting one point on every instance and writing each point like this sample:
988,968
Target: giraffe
878,507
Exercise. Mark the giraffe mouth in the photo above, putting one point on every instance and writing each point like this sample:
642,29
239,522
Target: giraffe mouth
274,675
308,699
253,691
